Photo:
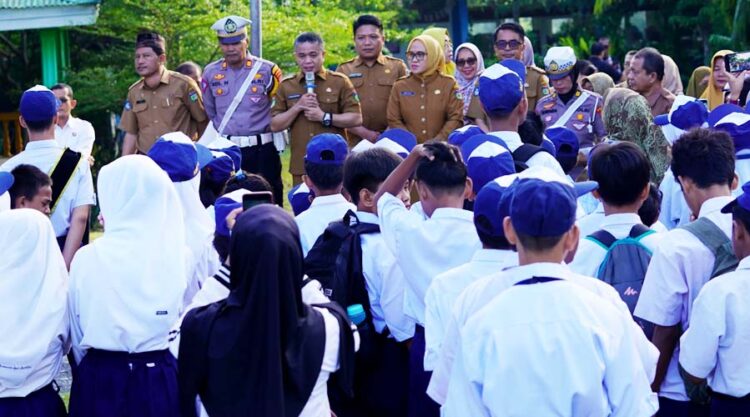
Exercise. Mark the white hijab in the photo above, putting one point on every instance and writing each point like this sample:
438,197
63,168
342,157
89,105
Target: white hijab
33,290
127,286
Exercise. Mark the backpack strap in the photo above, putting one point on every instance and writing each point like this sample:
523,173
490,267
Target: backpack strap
602,238
524,152
713,238
639,231
61,175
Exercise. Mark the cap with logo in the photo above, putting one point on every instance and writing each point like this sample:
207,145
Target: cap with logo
486,157
559,62
566,145
462,134
231,29
327,149
501,86
490,208
216,166
176,154
38,104
299,198
686,113
399,141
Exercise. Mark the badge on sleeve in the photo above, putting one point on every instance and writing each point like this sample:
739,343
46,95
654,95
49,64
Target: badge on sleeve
545,91
193,96
204,85
128,106
459,95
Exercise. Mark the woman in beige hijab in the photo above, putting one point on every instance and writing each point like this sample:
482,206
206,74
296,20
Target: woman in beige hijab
671,81
598,82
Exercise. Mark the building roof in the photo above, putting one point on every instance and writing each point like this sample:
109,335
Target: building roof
31,4
41,14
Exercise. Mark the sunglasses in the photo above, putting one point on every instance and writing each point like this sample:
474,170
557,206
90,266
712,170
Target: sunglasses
514,44
468,61
416,56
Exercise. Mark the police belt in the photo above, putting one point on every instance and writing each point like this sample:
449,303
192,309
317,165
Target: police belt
252,140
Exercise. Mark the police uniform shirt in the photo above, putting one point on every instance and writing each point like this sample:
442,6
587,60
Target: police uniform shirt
660,101
173,106
336,95
385,284
373,84
586,122
481,292
508,367
716,344
313,221
77,135
537,86
220,84
425,248
590,255
430,108
679,268
44,155
545,159
446,287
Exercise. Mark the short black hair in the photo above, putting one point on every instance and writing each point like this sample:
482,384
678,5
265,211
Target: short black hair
39,125
482,223
651,208
325,176
597,48
622,171
367,19
531,130
308,37
243,180
62,86
511,26
705,156
27,181
368,170
188,68
538,244
446,172
153,40
584,67
653,62
741,215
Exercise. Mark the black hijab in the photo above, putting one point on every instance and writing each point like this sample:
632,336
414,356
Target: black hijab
258,352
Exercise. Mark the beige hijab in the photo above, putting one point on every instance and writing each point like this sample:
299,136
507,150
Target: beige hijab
671,81
600,83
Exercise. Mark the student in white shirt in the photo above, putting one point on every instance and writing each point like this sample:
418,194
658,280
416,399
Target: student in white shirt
496,254
703,162
262,351
324,160
126,292
71,132
70,212
715,346
31,188
546,346
425,248
33,303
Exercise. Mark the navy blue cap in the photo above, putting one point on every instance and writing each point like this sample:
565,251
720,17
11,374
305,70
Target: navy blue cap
175,153
501,86
491,205
722,111
299,198
219,169
487,158
462,134
399,141
542,208
548,146
223,206
228,147
743,200
6,181
738,127
565,141
204,155
327,148
38,104
686,113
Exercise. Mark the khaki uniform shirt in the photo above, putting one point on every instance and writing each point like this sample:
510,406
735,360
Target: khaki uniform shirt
373,84
336,95
429,108
660,102
175,105
537,86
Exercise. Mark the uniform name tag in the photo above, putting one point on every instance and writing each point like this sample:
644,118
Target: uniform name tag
355,75
140,101
549,111
161,313
407,93
293,96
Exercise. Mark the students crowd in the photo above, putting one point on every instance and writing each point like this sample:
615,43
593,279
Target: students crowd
469,238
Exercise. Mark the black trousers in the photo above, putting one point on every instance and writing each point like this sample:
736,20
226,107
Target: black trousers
264,160
673,408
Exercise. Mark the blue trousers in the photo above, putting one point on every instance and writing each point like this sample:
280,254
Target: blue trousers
42,402
726,406
420,404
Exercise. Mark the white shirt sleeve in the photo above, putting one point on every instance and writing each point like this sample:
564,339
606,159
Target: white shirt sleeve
395,221
434,319
85,187
464,396
392,301
442,374
699,345
85,142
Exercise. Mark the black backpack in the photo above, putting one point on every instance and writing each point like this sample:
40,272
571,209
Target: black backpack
523,153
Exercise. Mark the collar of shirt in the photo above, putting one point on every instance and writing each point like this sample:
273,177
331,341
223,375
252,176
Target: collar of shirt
713,205
744,263
327,200
540,269
358,62
322,74
366,217
451,213
651,98
620,219
512,139
43,144
494,256
72,124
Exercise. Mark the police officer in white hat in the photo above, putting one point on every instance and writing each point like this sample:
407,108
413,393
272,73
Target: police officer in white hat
253,80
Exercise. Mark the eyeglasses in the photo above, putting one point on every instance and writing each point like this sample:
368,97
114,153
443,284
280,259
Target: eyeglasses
514,44
468,61
416,56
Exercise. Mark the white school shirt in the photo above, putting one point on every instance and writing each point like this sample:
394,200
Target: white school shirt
44,154
591,222
481,292
513,140
385,284
551,348
718,340
679,268
674,209
590,255
77,135
446,287
425,248
313,221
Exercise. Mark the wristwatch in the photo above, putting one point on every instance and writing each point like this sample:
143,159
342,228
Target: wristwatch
327,120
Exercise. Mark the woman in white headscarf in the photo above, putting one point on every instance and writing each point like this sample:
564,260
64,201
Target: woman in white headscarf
33,306
126,292
469,66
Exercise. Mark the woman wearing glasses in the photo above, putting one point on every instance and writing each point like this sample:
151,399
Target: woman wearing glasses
469,66
427,102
